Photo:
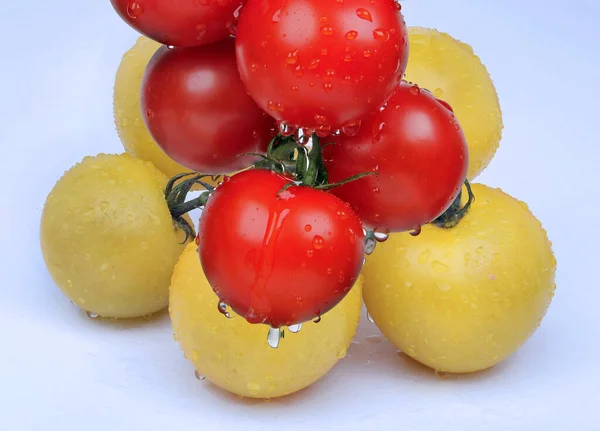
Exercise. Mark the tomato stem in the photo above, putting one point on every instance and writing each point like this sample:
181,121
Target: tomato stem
176,194
454,214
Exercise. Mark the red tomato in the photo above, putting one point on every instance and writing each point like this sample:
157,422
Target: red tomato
418,149
321,64
197,109
181,22
278,258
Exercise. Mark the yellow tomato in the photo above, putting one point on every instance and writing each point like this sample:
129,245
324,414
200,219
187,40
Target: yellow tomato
127,108
107,236
463,299
452,72
233,354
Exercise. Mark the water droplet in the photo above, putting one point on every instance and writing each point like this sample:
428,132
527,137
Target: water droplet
376,216
381,236
440,374
314,63
310,253
271,106
414,90
444,287
324,51
222,307
276,15
327,30
149,113
438,92
294,329
424,257
381,34
91,315
285,129
363,13
274,336
348,59
367,53
320,118
352,128
342,353
104,205
416,231
134,10
376,190
329,271
308,228
351,35
439,266
292,57
253,387
480,250
398,6
370,318
341,277
318,242
343,215
327,87
199,376
317,320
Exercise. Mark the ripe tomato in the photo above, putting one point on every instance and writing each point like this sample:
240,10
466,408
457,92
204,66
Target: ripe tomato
463,299
234,355
321,64
278,258
197,109
180,23
418,150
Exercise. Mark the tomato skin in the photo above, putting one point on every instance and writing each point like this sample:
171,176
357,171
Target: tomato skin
419,152
185,23
321,64
280,260
197,109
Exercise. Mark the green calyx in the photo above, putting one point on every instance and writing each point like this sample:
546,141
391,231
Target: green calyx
455,213
176,193
286,155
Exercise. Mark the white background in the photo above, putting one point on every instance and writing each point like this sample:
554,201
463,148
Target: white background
61,370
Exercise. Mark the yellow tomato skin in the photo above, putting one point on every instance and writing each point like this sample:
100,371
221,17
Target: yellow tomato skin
107,236
463,299
234,355
127,108
452,72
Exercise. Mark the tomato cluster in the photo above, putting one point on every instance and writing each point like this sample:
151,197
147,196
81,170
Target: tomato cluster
295,118
330,70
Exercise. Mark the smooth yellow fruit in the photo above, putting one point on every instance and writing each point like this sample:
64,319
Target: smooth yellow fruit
107,236
234,354
127,108
463,299
452,72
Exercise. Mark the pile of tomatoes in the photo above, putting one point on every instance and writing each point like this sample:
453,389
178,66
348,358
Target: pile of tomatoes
296,120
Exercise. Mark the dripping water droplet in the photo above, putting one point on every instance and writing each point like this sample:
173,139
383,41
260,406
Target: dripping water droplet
317,320
222,307
369,318
381,236
91,315
274,336
294,329
199,376
416,231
